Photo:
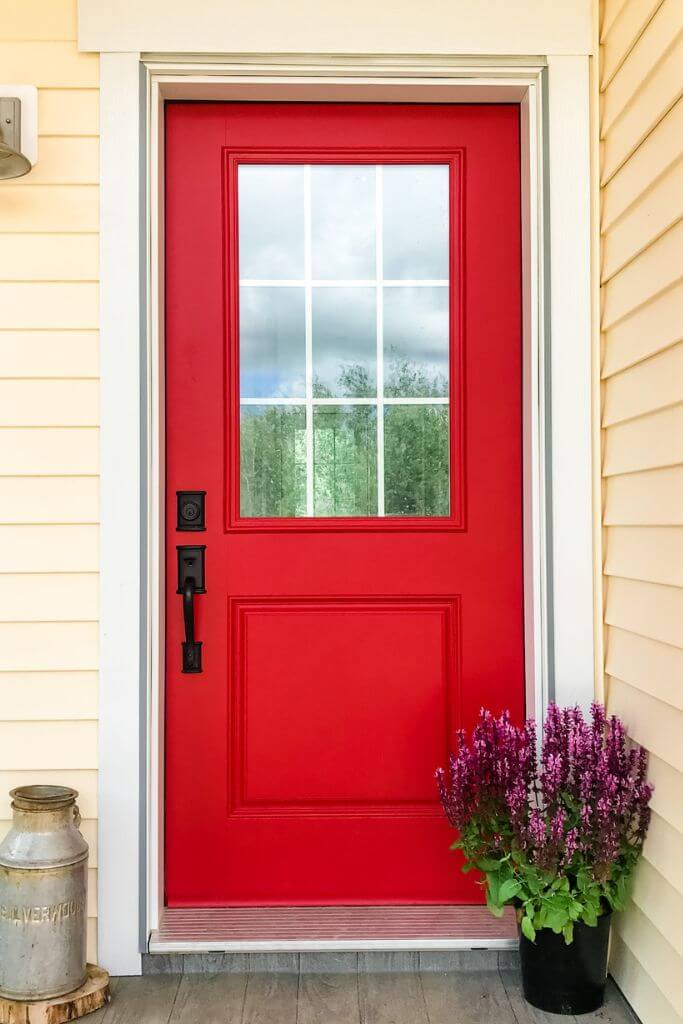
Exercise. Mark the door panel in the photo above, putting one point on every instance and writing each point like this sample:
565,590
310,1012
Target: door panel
343,379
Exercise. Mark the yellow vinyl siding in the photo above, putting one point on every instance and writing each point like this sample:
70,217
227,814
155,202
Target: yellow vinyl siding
48,424
642,420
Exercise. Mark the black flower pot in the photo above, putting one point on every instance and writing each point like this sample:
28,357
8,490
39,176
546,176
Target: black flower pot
561,978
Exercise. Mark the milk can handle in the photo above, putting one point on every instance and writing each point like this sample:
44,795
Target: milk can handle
77,816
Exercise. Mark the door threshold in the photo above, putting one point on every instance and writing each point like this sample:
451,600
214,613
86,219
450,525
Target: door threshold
309,929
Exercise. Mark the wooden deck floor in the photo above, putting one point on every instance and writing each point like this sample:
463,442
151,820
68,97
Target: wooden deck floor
417,997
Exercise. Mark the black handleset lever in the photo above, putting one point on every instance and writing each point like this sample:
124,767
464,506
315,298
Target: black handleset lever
191,581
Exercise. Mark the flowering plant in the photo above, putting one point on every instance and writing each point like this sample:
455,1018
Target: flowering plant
559,839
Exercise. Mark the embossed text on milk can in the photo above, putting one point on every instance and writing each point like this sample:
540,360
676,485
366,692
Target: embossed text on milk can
43,895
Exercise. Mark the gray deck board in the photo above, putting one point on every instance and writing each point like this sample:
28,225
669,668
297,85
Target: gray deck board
270,998
477,997
149,999
328,999
210,998
391,999
333,991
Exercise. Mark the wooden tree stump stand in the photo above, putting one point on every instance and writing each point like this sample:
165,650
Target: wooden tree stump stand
92,995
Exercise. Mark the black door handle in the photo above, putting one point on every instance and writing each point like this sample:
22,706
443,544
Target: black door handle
190,582
192,650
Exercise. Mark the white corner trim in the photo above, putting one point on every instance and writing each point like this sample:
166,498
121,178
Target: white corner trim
570,377
131,691
119,785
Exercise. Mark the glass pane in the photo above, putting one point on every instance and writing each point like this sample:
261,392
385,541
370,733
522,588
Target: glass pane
272,342
345,460
273,460
343,222
415,215
416,460
416,342
271,221
344,342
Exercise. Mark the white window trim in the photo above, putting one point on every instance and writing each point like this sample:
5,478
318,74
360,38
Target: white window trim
558,533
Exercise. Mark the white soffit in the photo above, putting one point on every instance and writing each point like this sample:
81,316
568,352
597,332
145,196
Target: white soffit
462,27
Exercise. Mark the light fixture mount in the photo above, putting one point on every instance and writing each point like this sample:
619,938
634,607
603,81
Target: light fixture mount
13,163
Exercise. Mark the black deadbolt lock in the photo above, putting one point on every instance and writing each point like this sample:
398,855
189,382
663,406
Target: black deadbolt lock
191,506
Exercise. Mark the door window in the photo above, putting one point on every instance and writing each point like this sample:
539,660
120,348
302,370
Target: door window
344,339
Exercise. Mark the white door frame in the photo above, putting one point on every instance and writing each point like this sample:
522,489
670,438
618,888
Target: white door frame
556,209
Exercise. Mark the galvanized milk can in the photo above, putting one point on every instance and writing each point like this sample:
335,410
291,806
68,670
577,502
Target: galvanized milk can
43,879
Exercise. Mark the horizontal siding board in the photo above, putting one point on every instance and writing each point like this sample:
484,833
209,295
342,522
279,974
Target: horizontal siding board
38,354
657,95
64,161
624,34
658,210
48,257
43,746
48,304
47,597
57,499
49,403
652,498
667,799
73,112
646,998
653,327
39,19
610,10
48,696
650,553
55,65
664,851
651,273
62,548
648,442
661,902
48,647
648,665
83,781
650,722
649,51
659,151
654,384
648,609
50,208
49,451
656,956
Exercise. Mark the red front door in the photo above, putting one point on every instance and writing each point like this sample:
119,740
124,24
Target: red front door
343,380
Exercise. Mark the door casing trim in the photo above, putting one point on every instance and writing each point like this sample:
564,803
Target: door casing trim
559,630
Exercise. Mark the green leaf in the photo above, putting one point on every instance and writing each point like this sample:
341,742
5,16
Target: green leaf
568,932
528,929
590,916
487,864
493,907
556,919
508,890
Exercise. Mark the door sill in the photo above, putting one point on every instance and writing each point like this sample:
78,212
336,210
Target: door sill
308,929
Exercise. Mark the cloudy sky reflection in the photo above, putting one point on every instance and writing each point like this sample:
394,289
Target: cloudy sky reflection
415,245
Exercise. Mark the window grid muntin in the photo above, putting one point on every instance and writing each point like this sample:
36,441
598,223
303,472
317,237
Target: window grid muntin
379,283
